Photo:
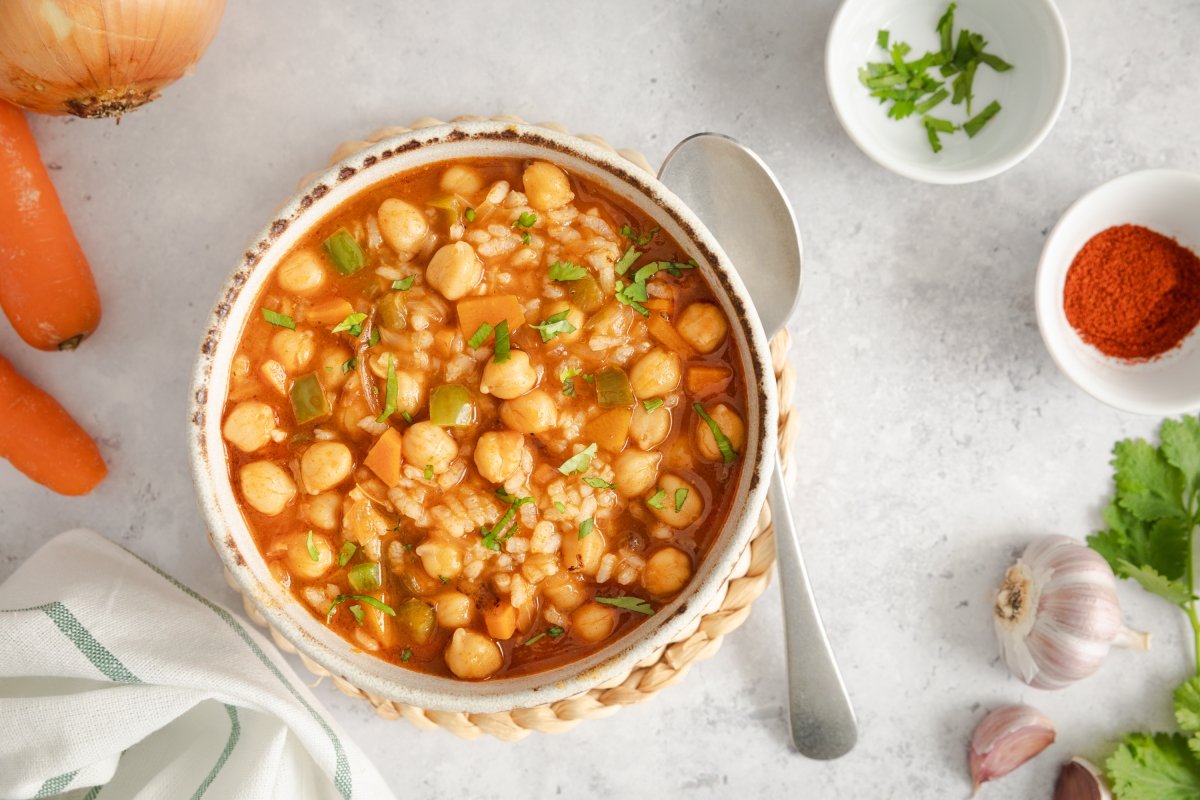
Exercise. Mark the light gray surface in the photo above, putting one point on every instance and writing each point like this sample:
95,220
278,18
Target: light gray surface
936,435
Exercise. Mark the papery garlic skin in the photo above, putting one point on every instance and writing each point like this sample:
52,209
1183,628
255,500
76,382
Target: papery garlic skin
99,58
1057,614
1005,739
1079,779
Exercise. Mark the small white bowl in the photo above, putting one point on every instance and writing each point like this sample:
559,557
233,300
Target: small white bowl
1166,201
1029,34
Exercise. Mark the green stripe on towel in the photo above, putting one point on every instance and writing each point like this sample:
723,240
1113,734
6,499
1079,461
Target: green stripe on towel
100,656
235,733
56,785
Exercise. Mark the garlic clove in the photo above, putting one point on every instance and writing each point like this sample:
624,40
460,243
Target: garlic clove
1080,780
1005,739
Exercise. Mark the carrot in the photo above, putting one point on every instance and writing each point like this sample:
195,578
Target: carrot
385,459
610,429
46,285
474,311
705,381
39,437
665,332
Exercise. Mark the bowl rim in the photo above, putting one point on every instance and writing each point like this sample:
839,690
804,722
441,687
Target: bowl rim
1047,297
628,650
952,177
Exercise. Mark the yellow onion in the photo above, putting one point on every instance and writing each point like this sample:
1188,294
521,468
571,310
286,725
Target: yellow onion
99,58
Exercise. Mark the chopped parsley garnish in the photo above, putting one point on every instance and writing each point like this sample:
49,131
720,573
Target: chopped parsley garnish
428,472
599,483
281,320
626,261
652,404
357,612
407,654
675,268
586,527
313,552
470,215
501,532
553,632
407,417
343,250
404,284
728,454
560,508
389,397
566,271
443,579
641,240
347,553
374,337
480,335
371,601
658,500
629,603
554,325
348,365
526,238
567,377
580,461
526,220
680,497
975,124
934,126
634,294
352,324
503,346
881,39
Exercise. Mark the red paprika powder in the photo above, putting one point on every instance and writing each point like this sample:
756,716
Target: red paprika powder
1133,293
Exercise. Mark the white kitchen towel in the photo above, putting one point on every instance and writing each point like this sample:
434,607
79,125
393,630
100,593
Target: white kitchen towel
117,681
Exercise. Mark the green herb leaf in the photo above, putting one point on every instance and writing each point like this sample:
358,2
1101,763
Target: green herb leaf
357,612
728,454
407,417
675,268
313,552
428,473
554,325
390,392
566,271
629,603
352,324
641,240
406,655
580,461
995,62
349,365
343,250
371,601
480,336
346,553
281,320
633,296
568,384
535,638
560,508
374,338
1187,706
680,497
526,238
626,261
657,500
599,483
554,631
470,215
404,284
1154,767
503,346
945,30
881,39
652,404
586,527
526,220
975,124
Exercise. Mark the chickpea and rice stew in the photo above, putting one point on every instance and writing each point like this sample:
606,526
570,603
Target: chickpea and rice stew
487,420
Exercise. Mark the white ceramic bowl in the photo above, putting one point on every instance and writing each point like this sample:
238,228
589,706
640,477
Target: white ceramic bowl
228,529
1166,201
1029,34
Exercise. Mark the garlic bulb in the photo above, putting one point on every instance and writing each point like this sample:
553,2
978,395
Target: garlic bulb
1057,614
99,58
1080,780
1005,739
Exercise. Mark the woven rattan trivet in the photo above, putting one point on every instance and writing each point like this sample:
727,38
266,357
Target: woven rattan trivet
663,668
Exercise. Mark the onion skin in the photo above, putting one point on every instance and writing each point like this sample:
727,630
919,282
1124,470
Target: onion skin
99,58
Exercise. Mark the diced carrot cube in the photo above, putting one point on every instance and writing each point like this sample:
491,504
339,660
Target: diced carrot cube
329,312
475,311
385,458
610,429
705,381
664,331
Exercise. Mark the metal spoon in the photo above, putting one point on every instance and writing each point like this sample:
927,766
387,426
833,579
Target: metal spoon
737,197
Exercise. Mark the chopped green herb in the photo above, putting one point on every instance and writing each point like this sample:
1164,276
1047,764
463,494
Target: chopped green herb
443,579
554,325
357,612
526,238
535,638
345,252
680,497
657,500
933,126
406,655
480,335
281,320
492,537
526,220
568,384
629,603
881,39
588,377
599,483
995,62
371,601
352,324
407,417
374,337
390,392
626,261
567,271
945,30
586,527
348,365
580,461
560,508
728,454
313,552
404,284
428,472
633,295
641,240
503,345
652,404
975,124
470,215
347,553
554,631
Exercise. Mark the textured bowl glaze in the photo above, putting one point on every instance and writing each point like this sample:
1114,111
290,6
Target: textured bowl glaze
231,536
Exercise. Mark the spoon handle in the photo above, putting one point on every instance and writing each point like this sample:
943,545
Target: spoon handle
823,724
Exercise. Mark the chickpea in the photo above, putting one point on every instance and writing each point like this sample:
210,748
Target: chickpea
565,591
730,423
498,455
461,179
574,316
266,487
649,429
547,186
300,561
655,374
402,226
454,270
454,610
594,622
441,559
350,410
666,572
509,379
636,471
325,465
302,273
249,425
331,367
703,326
323,511
689,511
501,621
293,349
410,392
426,444
534,412
471,655
583,555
